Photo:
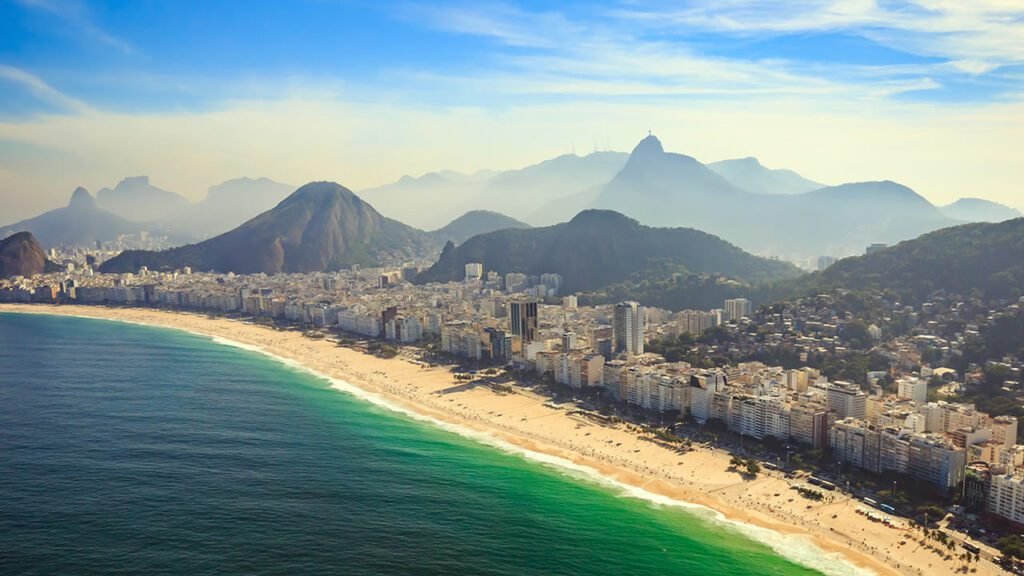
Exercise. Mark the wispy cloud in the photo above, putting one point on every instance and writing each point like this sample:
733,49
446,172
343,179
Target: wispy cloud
538,79
502,22
76,14
635,52
978,35
41,90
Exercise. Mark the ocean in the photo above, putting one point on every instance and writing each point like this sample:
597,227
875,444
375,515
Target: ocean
128,449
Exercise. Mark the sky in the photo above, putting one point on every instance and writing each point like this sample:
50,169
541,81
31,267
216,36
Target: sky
928,93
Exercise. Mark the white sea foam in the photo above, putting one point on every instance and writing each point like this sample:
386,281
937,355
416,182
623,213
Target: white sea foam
797,548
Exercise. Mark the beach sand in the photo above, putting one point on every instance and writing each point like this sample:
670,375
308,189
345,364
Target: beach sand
783,519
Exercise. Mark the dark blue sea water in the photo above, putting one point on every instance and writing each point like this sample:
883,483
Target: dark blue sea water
126,449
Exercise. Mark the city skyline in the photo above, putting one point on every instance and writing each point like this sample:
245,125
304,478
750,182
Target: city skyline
512,287
926,94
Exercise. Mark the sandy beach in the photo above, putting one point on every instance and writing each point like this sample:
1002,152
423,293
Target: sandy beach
767,508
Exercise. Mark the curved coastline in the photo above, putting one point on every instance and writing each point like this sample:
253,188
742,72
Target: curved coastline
805,552
787,539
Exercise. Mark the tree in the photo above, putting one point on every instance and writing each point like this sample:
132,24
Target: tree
857,336
1012,546
933,512
753,468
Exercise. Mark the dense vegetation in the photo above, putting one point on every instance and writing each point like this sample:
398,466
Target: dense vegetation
985,260
599,249
851,366
1011,545
669,286
1003,337
682,348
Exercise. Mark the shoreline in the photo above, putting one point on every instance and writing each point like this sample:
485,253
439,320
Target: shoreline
765,510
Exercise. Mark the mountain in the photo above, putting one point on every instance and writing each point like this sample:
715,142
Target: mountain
979,210
428,201
80,223
519,193
850,215
21,255
665,189
564,208
981,257
750,175
228,205
136,199
321,226
475,222
433,199
599,248
654,184
660,188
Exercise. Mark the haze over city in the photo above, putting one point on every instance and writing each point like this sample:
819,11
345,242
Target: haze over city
927,94
510,287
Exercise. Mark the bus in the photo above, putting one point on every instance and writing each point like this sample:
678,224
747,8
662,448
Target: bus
823,483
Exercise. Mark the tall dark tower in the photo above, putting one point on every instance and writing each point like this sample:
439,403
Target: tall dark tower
523,319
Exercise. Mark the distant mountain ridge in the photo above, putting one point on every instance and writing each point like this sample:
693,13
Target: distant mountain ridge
750,175
429,201
21,255
665,189
433,199
473,223
598,248
134,206
653,182
518,193
321,226
979,210
772,212
228,205
134,198
80,223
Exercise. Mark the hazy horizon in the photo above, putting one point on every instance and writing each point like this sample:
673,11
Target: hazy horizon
927,94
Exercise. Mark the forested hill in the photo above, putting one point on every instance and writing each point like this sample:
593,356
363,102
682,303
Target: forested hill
599,248
982,259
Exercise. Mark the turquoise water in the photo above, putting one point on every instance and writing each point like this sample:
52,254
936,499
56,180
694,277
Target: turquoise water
126,449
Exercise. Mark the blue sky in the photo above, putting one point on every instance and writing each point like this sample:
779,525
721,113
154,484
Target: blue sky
92,91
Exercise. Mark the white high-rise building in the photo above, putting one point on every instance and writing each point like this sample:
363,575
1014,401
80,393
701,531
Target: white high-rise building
568,341
1006,495
552,281
695,322
515,282
474,271
848,400
736,308
628,328
915,389
935,459
1004,430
